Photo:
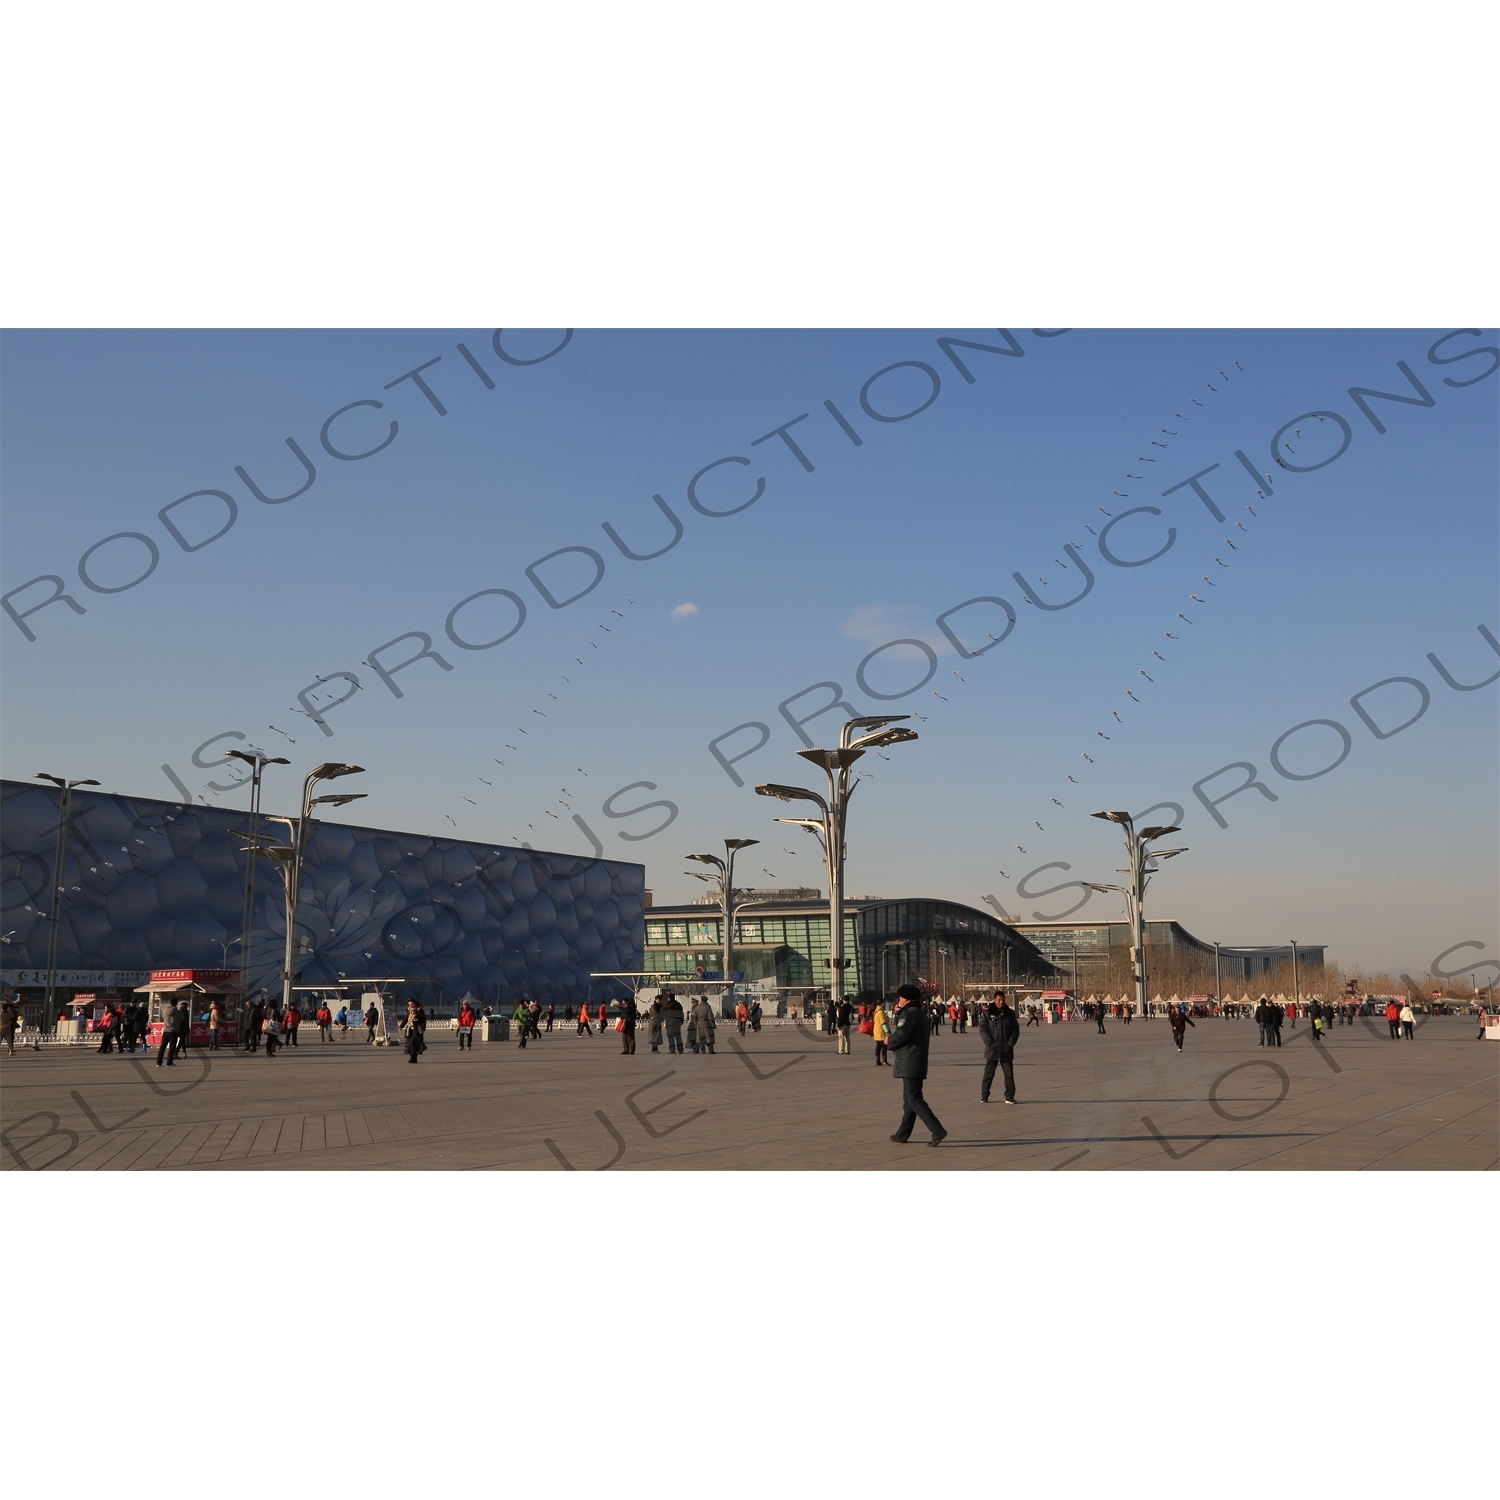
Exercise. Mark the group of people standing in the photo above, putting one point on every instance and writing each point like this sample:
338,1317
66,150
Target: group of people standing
747,1014
268,1022
1402,1020
123,1028
667,1021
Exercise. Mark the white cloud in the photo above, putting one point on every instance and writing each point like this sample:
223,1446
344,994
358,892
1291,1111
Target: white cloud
877,623
684,611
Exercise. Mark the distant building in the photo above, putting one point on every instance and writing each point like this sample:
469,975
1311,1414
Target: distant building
1087,950
890,942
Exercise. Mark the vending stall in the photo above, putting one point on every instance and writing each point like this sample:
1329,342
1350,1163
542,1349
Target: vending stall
200,988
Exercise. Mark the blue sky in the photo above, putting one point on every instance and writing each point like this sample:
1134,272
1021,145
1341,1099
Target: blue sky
1339,578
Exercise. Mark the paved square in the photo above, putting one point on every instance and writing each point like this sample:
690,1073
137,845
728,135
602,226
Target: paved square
782,1100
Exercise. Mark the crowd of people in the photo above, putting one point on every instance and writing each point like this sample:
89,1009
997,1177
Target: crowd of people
265,1024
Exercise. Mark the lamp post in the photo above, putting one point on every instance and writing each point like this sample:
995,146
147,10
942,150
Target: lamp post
59,884
1296,987
1218,997
879,731
291,855
885,953
725,882
1140,872
257,760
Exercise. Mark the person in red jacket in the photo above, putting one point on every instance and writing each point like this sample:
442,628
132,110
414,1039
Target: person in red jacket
466,1028
583,1020
292,1021
1393,1018
325,1022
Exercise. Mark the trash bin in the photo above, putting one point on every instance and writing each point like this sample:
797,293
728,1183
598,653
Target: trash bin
492,1029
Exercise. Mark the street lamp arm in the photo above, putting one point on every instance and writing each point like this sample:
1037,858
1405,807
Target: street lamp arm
883,737
813,825
790,793
869,721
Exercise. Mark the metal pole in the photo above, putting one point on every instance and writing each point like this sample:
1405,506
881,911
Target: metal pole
833,833
1296,988
245,926
54,919
729,922
1138,923
836,903
1218,997
293,891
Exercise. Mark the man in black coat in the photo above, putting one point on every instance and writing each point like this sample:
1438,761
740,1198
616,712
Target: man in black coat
911,1035
628,1013
671,1020
1001,1030
1263,1020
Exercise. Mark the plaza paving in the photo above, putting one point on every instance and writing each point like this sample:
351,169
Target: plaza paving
782,1100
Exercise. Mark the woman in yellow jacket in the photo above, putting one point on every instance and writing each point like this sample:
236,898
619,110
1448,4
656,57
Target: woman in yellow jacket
881,1023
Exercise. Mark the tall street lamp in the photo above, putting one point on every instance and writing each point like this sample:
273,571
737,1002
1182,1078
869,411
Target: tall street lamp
1296,987
1218,995
293,855
283,857
1140,871
724,880
879,731
257,760
59,884
886,953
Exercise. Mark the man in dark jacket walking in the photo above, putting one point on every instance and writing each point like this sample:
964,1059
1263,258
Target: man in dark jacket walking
1000,1030
628,1013
1180,1021
911,1036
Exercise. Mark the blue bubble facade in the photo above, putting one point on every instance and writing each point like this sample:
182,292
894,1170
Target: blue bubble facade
156,885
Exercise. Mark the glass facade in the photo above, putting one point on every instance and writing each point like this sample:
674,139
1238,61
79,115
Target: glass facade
888,942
